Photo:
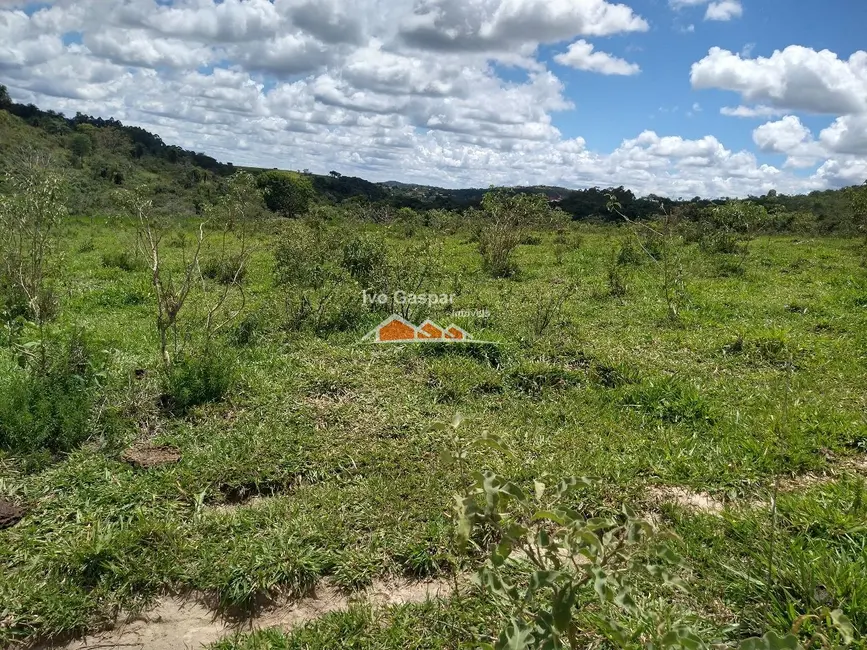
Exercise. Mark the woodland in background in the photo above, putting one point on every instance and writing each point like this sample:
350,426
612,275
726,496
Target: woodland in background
103,154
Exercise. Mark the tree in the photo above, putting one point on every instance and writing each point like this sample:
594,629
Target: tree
506,217
858,201
31,212
81,146
288,193
5,99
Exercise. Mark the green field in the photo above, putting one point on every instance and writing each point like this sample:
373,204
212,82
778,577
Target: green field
321,462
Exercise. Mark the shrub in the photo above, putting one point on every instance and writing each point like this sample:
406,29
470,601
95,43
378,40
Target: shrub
197,378
48,404
225,270
302,255
335,305
365,258
287,193
505,219
123,260
670,400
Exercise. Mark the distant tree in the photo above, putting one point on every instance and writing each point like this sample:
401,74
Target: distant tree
5,99
288,193
505,219
81,146
857,196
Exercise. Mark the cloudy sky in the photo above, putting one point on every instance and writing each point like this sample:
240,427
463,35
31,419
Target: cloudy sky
677,97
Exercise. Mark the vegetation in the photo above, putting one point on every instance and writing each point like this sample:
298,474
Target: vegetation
717,451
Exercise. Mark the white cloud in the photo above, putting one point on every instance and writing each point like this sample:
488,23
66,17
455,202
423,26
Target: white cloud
724,10
751,111
847,135
796,78
401,89
781,136
496,25
790,137
580,55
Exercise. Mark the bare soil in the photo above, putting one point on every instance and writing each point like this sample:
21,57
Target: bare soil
146,455
10,514
185,623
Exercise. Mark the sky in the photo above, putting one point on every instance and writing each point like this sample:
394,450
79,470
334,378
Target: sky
680,98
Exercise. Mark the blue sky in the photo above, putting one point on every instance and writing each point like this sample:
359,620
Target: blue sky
619,106
471,92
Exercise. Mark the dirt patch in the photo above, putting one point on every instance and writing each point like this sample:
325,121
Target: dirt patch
10,514
176,623
704,502
146,456
686,498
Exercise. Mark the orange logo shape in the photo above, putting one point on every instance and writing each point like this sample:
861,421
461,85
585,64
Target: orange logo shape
396,329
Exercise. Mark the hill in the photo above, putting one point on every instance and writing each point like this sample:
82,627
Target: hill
102,154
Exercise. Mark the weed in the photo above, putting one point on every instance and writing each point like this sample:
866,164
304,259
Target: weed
198,378
48,404
123,260
670,400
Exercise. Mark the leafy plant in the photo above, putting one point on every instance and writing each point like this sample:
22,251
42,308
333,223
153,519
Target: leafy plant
547,561
198,378
47,404
31,212
365,258
505,221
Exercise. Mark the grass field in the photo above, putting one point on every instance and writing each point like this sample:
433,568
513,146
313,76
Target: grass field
321,462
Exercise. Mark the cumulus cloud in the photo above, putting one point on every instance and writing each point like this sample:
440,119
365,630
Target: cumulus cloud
408,89
724,10
790,137
751,111
796,78
494,25
847,135
581,55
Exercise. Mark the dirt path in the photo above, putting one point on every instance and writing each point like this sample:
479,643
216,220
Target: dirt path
175,624
704,502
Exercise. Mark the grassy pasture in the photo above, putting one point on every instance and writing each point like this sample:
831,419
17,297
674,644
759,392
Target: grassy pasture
321,461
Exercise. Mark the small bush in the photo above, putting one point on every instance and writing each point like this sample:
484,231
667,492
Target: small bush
669,400
365,258
48,405
123,260
533,377
334,307
629,254
225,270
198,378
247,330
302,256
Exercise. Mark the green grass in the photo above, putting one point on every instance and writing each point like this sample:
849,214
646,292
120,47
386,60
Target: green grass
337,434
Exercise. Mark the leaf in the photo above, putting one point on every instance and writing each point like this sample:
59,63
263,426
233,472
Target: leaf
514,491
517,636
600,584
550,515
457,420
439,426
561,607
624,599
446,457
843,625
501,553
493,443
